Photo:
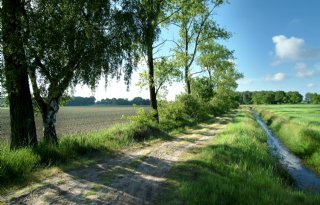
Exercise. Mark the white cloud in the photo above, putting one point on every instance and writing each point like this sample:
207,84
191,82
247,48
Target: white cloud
303,70
311,85
292,49
275,77
244,81
287,48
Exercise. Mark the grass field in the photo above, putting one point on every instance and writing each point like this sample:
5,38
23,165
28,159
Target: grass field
237,168
306,115
74,120
298,127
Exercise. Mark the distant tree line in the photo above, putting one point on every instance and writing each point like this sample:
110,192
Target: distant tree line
86,101
270,97
124,101
312,98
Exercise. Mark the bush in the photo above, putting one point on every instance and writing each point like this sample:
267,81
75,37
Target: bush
185,110
142,126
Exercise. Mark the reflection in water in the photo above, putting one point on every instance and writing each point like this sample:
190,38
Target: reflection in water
304,177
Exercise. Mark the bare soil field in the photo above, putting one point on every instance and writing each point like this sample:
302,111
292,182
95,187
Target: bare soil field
73,120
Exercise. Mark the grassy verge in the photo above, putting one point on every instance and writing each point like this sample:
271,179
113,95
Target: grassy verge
22,166
237,168
301,139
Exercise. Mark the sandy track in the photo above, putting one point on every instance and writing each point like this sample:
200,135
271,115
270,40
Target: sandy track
132,177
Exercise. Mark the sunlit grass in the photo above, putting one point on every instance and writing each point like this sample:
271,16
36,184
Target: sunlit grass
17,167
297,127
237,168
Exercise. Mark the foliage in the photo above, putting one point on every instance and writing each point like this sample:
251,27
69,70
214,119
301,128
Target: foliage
121,101
165,74
236,168
184,111
312,98
203,88
81,101
294,97
196,26
269,97
72,42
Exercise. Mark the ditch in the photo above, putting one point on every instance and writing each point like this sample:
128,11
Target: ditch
305,178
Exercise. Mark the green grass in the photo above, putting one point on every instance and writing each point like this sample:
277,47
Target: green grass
298,127
18,167
303,114
237,168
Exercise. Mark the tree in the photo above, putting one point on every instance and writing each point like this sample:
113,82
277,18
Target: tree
315,98
225,78
294,97
195,27
151,13
23,132
246,98
217,62
280,97
203,88
307,98
165,73
80,101
74,42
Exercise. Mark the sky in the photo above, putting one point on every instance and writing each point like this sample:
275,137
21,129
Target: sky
276,45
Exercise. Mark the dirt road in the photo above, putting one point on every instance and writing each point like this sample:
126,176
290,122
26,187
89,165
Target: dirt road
132,177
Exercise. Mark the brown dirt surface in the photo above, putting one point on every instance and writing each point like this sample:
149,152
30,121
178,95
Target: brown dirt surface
134,176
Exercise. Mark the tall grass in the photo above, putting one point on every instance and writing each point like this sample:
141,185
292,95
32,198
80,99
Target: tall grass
237,168
301,139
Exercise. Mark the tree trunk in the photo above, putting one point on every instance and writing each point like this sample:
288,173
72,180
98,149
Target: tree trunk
23,132
187,79
49,118
152,88
186,67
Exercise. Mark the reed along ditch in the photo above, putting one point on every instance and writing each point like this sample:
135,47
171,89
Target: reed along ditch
305,178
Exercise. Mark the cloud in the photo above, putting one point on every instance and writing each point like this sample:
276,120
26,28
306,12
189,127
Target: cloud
275,77
292,49
303,70
244,81
311,85
287,48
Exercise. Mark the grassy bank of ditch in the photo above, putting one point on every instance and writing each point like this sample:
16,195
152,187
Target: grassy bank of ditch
301,137
236,168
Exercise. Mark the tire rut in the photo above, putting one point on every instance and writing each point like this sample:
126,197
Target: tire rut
133,177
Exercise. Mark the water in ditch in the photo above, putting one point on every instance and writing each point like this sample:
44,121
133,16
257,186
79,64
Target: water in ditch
305,178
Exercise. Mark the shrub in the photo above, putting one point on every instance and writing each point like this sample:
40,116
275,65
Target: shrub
184,111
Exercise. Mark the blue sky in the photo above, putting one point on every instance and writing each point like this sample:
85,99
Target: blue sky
276,44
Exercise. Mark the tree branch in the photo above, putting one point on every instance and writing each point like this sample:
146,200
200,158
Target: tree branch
36,91
160,44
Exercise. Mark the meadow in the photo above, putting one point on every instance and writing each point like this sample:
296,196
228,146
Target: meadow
298,127
236,168
75,120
